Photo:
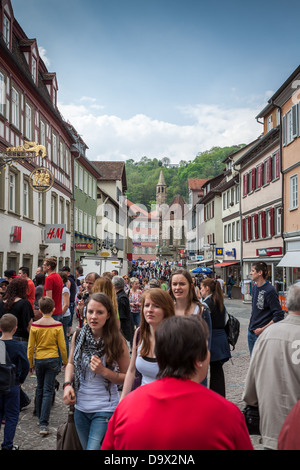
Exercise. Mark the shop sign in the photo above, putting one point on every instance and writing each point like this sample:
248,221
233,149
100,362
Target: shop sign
83,246
231,252
55,233
41,180
269,251
219,251
15,234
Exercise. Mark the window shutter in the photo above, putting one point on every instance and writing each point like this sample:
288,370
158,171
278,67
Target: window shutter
260,175
244,185
295,121
284,130
277,165
272,225
263,224
269,170
244,229
249,228
256,226
253,179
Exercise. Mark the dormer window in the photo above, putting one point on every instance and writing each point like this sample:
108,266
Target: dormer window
34,69
6,30
51,85
30,51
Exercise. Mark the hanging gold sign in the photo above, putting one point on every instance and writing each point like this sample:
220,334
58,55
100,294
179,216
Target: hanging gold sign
41,180
29,147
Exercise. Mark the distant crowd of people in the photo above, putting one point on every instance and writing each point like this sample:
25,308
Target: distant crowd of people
143,354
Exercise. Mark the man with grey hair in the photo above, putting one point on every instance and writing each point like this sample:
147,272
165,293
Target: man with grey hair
124,308
273,379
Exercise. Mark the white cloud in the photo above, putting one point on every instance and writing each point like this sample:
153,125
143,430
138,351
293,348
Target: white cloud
112,138
43,55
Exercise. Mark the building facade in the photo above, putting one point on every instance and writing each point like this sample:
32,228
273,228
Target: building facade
29,114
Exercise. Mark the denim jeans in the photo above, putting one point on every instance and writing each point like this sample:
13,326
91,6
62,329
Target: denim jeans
10,409
136,319
252,337
91,428
46,371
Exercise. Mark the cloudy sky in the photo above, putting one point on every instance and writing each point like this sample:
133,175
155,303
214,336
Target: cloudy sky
163,78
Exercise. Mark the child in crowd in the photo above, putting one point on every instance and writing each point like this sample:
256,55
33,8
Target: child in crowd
10,402
46,343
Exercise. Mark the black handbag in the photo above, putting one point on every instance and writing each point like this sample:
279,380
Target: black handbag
251,414
67,437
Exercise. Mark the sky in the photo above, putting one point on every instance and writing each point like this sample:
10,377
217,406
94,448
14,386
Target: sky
163,78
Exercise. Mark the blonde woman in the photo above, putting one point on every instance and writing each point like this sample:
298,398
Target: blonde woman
156,306
105,285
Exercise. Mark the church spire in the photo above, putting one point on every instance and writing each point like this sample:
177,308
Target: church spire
161,190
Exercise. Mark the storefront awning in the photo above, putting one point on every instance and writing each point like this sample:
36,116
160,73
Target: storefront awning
223,265
290,260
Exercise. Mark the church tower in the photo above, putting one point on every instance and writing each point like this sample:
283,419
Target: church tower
161,190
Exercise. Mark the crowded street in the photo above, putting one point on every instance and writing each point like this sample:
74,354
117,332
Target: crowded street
27,434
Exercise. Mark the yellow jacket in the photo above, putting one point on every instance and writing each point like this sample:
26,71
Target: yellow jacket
44,342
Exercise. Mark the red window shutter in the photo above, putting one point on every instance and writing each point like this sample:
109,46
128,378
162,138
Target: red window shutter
253,179
260,175
244,229
277,165
272,225
263,224
256,226
249,228
269,169
245,184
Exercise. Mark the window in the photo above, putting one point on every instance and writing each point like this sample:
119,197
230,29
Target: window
85,223
80,221
28,122
33,69
42,134
238,230
225,233
54,149
12,192
2,94
293,192
80,178
62,211
6,30
15,108
233,232
269,123
53,209
61,156
76,219
290,125
278,220
275,166
229,233
25,199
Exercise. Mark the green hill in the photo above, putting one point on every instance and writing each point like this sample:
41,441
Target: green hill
142,176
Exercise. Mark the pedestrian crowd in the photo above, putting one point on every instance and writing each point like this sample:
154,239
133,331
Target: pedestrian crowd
144,368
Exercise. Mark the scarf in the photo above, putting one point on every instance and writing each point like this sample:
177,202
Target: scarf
85,347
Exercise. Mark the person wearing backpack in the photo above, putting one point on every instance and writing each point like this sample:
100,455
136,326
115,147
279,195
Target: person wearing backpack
10,401
220,351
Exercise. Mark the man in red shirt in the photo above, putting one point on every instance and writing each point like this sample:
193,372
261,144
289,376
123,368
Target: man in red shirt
24,273
53,285
176,412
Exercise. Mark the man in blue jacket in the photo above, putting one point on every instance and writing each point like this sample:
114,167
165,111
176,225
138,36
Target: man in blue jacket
266,308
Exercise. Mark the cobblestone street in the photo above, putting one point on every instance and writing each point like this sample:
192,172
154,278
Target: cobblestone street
28,437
